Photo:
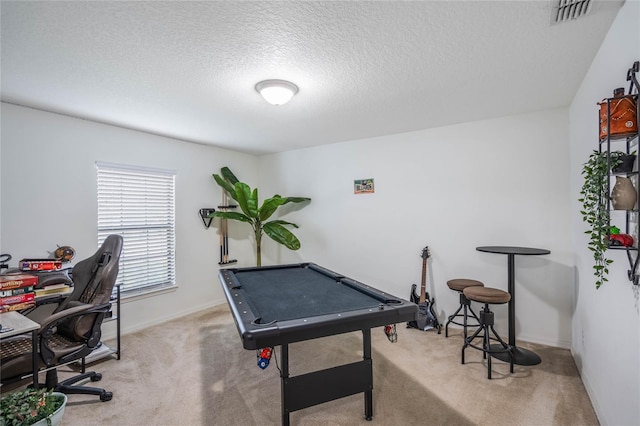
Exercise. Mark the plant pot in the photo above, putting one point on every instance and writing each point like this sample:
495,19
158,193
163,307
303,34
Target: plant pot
56,417
623,195
626,166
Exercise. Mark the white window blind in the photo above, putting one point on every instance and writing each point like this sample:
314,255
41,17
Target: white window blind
139,204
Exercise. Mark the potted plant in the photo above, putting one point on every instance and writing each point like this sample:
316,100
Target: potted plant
624,162
38,407
256,216
595,208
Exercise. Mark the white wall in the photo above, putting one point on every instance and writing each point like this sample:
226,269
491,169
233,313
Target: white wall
497,182
606,322
494,182
48,197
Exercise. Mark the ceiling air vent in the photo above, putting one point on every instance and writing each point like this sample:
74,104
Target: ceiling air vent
571,9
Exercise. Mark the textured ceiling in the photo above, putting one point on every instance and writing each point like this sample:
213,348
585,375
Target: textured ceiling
188,69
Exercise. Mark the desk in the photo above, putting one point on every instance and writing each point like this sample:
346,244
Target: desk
520,356
22,325
278,305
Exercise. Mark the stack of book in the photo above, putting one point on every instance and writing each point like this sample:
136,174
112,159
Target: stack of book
53,280
17,292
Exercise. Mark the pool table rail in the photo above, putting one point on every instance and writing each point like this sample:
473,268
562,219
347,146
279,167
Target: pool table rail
255,335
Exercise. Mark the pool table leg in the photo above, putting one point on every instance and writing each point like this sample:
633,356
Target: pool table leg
366,352
321,386
284,374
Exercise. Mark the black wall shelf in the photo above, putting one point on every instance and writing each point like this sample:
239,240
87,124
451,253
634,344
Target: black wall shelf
629,220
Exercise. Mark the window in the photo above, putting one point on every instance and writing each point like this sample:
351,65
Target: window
139,204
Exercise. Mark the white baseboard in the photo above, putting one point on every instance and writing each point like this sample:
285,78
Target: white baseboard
590,391
563,344
110,332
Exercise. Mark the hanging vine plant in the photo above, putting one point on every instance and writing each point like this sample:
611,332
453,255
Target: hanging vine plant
595,211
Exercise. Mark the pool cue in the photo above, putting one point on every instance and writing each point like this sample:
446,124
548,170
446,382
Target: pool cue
226,229
223,231
226,242
221,242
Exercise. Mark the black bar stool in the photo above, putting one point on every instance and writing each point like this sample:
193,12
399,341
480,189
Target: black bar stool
459,284
488,296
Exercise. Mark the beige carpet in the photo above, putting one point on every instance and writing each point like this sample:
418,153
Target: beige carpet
194,371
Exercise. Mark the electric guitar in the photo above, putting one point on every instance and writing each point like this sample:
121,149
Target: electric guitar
427,318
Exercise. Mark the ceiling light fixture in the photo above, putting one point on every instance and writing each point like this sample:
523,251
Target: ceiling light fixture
277,92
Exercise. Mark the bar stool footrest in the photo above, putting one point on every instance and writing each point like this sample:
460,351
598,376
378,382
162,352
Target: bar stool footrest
451,321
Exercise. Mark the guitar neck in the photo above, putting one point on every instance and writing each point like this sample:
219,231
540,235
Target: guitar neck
423,284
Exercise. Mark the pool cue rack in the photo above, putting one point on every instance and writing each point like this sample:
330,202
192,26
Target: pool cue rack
204,215
224,231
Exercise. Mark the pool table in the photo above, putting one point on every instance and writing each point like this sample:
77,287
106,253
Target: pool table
282,304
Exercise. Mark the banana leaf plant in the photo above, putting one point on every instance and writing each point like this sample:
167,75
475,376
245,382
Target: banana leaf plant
257,217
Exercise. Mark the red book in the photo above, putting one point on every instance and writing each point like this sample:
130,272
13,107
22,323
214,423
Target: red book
20,298
11,281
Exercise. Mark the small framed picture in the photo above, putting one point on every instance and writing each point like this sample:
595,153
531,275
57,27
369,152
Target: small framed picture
363,186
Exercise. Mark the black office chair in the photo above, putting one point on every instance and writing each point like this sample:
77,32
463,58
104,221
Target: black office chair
73,331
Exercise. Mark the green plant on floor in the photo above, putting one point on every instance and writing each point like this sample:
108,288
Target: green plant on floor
257,217
29,406
595,211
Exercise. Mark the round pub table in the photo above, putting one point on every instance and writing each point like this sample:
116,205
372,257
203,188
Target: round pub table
520,356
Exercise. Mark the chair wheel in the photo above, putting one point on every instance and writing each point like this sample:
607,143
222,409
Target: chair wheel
106,396
96,377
